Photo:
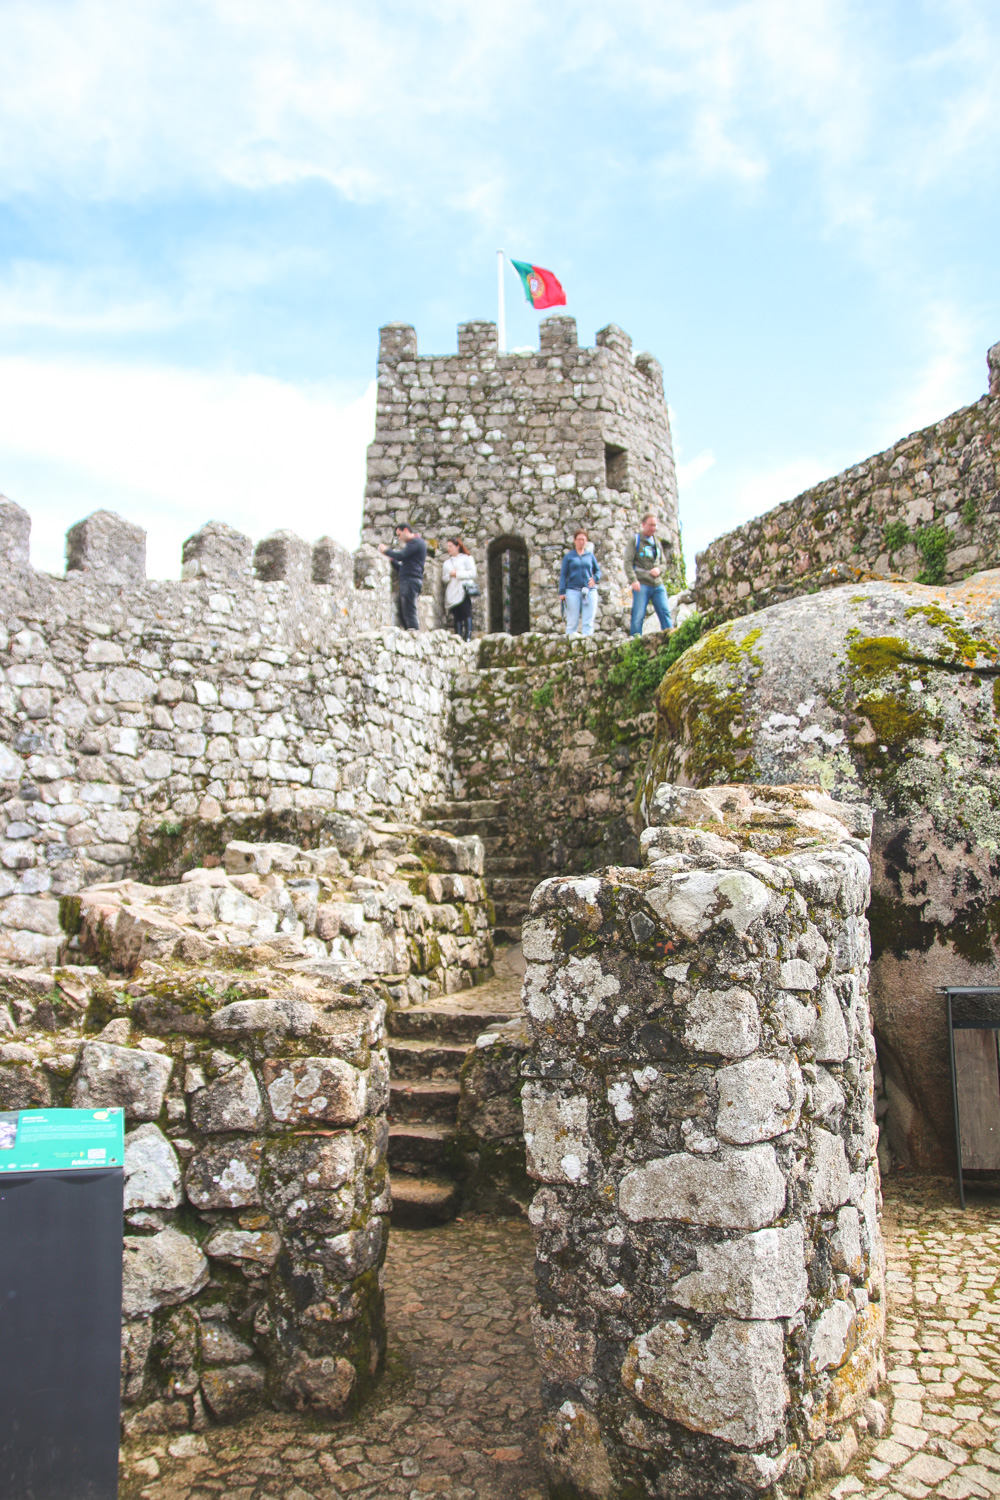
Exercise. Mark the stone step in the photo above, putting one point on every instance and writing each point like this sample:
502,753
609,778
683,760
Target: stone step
420,1202
462,828
416,1148
510,913
512,885
449,1024
423,1101
511,864
412,1059
475,808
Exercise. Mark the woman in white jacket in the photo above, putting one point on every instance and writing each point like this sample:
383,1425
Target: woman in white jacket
459,569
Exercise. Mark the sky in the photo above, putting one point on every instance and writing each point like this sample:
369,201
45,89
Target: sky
208,207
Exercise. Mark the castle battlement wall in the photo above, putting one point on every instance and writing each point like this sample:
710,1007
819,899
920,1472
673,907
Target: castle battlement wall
513,451
927,508
140,720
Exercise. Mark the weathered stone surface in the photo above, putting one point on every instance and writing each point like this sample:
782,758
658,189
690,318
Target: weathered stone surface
234,1391
828,1336
723,1021
108,547
736,1190
315,1090
574,1454
161,1271
693,903
225,1176
555,1134
122,1076
761,1275
321,1385
152,1171
258,1247
758,1099
882,692
730,1384
233,1102
220,1345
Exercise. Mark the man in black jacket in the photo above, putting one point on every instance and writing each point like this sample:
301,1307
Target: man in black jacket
409,564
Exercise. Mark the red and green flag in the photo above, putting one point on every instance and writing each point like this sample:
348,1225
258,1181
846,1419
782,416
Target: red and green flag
541,288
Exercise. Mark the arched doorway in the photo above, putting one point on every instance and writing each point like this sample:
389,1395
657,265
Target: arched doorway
507,574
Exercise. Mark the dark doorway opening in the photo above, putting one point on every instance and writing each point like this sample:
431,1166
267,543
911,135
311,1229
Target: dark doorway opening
507,569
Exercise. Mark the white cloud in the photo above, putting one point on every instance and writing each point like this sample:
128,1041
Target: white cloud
688,473
171,449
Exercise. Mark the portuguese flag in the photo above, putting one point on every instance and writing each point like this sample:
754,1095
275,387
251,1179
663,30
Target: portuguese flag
541,288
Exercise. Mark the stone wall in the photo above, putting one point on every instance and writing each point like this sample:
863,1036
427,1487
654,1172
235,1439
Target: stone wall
540,727
525,446
699,1115
238,1019
143,724
929,506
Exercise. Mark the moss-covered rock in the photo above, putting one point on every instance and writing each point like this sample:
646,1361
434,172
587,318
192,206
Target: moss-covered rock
884,692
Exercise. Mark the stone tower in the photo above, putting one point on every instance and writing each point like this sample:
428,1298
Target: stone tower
512,452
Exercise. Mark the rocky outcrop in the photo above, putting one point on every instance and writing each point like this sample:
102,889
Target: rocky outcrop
884,692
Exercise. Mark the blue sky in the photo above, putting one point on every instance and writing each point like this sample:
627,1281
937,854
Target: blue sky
208,207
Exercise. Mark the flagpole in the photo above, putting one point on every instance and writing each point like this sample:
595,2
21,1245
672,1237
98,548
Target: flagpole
501,311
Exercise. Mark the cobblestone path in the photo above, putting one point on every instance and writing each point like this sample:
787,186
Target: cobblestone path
455,1416
942,1400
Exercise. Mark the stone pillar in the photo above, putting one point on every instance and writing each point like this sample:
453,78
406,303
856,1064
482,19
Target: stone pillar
699,1114
477,338
15,531
283,556
993,365
108,548
556,334
218,554
332,563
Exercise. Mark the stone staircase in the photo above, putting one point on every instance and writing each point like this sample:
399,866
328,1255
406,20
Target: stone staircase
427,1047
510,876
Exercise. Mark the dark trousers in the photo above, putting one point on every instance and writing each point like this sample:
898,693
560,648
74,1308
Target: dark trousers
461,618
408,593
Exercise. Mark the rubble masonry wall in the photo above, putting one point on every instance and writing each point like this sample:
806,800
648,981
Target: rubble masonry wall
943,476
698,1114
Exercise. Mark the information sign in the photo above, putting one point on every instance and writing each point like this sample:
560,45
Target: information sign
53,1140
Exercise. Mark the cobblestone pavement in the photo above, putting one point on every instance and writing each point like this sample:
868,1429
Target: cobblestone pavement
455,1416
942,1399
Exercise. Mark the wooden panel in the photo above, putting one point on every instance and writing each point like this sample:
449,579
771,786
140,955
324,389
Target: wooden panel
978,1079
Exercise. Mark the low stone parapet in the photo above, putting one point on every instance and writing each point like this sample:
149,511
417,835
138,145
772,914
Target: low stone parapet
699,1116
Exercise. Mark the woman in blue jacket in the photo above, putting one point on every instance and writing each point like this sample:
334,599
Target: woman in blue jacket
578,580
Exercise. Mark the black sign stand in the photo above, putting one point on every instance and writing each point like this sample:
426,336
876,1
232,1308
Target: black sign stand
60,1334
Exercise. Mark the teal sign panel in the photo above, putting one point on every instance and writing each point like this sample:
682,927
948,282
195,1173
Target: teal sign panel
53,1140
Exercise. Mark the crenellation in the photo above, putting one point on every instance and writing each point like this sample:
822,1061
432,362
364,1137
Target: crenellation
283,557
107,547
217,552
15,533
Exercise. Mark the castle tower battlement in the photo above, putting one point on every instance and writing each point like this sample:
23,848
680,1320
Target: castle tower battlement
513,451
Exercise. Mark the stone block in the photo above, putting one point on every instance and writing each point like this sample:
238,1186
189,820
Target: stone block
232,1103
233,1392
218,554
284,557
322,1385
555,1134
152,1171
107,548
761,1275
257,1248
722,1021
396,342
758,1099
160,1271
320,1090
557,333
125,1077
477,338
15,531
730,1384
733,1190
225,1176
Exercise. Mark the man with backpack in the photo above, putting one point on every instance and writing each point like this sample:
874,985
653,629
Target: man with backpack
646,559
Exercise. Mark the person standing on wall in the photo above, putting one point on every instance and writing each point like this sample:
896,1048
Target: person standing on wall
646,559
459,572
409,564
578,580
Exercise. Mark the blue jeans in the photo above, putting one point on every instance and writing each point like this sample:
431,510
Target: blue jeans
581,607
646,594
